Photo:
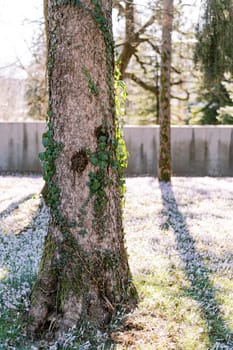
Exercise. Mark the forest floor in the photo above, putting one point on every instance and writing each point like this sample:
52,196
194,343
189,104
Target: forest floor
180,243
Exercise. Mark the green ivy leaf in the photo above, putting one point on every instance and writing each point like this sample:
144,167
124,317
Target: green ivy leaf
93,159
82,232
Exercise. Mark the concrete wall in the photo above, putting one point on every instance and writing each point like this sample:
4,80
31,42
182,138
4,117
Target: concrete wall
20,144
196,150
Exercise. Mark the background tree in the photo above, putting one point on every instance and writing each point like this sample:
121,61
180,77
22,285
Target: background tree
164,171
12,103
84,273
138,46
138,40
131,45
225,114
36,93
214,53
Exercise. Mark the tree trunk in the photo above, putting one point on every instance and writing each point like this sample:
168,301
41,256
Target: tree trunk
84,272
129,47
164,171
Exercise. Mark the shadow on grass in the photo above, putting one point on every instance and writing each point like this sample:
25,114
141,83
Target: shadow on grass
197,273
13,206
14,289
14,296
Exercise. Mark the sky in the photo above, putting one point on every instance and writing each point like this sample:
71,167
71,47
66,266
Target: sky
18,24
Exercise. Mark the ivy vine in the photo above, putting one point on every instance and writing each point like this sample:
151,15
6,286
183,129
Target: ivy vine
110,150
110,154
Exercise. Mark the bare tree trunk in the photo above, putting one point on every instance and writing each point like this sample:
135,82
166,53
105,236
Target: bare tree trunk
164,171
157,94
84,272
129,47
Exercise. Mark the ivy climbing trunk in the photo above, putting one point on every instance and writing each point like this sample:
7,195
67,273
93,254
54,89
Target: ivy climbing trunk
164,171
84,273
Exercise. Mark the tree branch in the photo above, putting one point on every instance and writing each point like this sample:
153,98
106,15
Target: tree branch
181,98
141,83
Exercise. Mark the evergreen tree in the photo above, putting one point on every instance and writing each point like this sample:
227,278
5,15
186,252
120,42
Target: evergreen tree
214,53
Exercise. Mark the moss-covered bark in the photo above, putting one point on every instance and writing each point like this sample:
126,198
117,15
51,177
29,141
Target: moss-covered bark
84,273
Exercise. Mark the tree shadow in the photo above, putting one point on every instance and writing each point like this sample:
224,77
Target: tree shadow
13,206
197,273
15,290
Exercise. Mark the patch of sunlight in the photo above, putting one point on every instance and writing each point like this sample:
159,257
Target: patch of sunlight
186,324
224,295
5,231
3,273
193,338
37,196
138,347
164,295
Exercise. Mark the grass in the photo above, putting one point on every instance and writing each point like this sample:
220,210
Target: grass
180,245
184,232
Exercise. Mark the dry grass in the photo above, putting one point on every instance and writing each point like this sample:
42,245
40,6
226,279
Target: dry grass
180,245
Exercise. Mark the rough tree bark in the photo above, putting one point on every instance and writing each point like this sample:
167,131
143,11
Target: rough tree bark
84,272
164,171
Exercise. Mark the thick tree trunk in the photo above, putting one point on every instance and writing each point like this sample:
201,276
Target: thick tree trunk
164,170
84,273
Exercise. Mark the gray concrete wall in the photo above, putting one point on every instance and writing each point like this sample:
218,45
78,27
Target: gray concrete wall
20,144
196,150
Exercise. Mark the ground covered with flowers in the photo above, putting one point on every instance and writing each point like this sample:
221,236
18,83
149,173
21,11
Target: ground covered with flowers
180,243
